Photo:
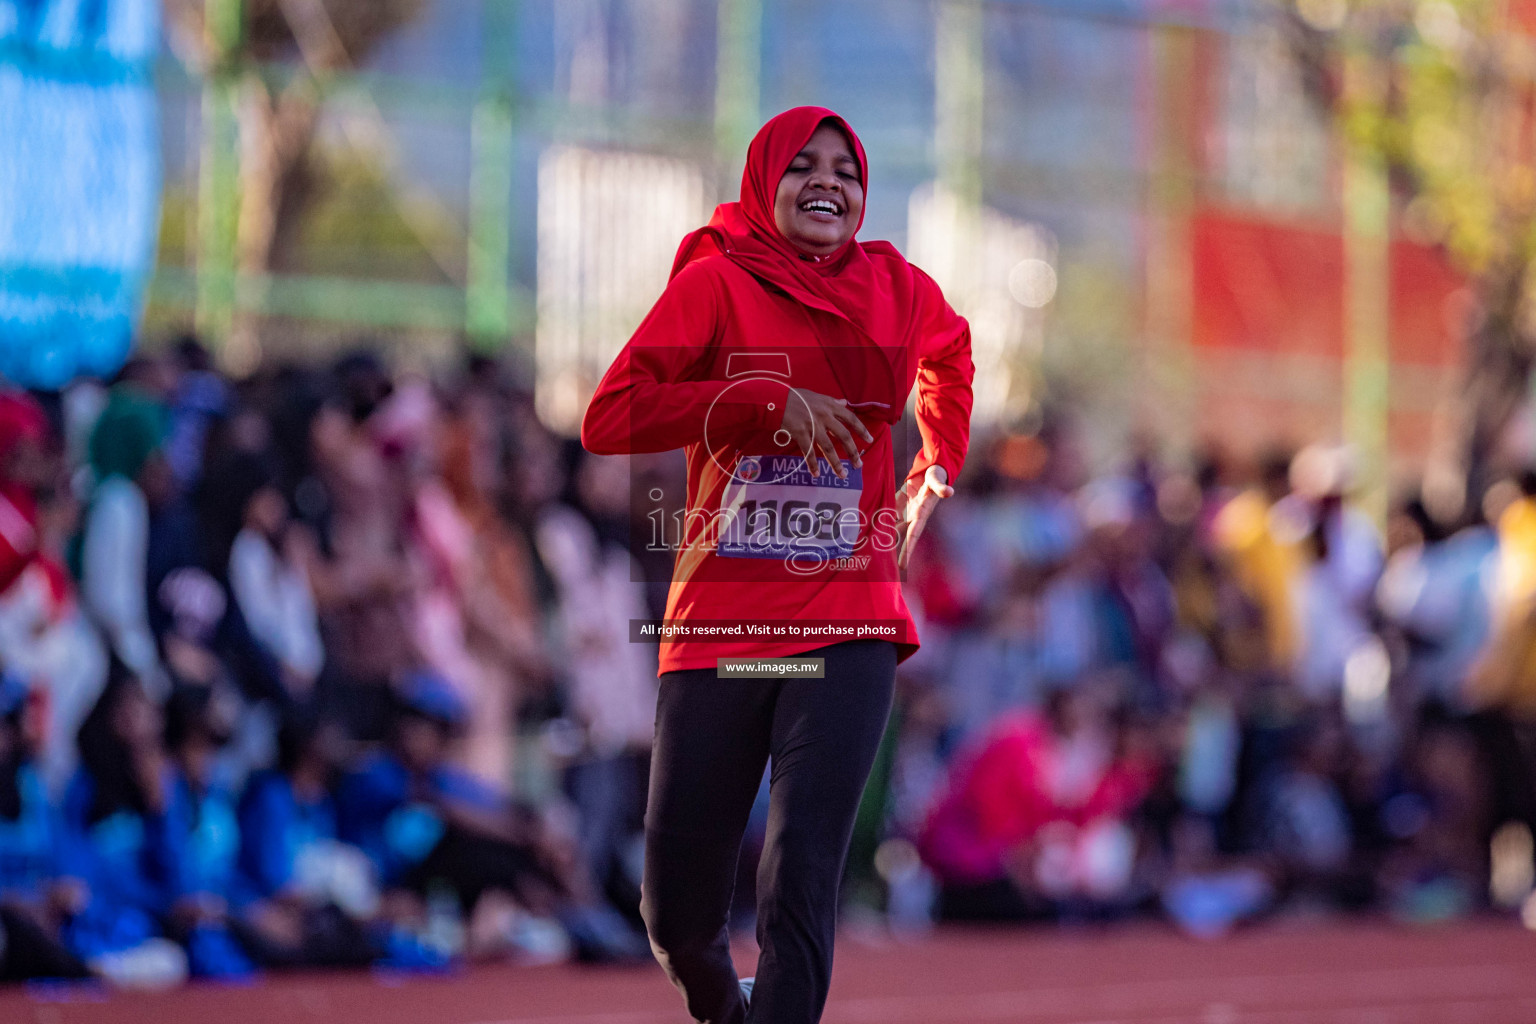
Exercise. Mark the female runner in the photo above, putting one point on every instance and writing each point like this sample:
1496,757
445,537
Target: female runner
779,356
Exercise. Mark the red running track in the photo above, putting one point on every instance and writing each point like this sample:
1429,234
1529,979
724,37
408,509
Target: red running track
1294,973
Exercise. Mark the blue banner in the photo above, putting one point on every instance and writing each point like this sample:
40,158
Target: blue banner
79,183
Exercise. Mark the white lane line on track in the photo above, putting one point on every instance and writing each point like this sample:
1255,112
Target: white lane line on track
1390,993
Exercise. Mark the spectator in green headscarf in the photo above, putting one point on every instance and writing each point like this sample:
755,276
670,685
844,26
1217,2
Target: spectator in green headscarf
128,435
132,479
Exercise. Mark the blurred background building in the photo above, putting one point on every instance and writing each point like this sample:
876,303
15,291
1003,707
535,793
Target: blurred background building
411,169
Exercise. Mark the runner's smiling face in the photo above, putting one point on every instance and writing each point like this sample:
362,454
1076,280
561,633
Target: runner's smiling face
820,198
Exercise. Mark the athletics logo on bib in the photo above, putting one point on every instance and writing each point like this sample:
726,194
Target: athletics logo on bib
772,507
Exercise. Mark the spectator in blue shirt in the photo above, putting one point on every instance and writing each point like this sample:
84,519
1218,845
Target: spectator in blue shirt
288,811
426,823
202,837
34,898
117,833
318,898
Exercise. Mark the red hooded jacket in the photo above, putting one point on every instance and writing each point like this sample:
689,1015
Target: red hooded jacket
743,319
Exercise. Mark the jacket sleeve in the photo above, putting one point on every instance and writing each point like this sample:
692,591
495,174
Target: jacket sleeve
944,375
652,400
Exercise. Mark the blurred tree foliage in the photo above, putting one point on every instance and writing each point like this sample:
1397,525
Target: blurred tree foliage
1444,92
279,113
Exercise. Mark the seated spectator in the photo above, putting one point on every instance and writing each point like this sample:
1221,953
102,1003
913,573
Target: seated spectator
244,518
425,823
117,833
202,636
202,838
34,899
317,898
44,638
131,481
1032,820
1305,823
1442,824
352,547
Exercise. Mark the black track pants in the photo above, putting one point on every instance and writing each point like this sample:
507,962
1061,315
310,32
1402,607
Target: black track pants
713,737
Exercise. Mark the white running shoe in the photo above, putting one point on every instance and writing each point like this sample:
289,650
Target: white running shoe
154,965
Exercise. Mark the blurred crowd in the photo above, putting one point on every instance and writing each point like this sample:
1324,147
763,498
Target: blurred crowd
273,652
1213,692
332,666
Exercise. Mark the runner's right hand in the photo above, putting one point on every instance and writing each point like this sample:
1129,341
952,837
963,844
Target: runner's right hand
820,423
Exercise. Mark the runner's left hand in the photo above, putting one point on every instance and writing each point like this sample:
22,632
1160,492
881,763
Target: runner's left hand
920,506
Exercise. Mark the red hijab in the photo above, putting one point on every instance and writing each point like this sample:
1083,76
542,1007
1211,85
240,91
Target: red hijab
868,284
21,419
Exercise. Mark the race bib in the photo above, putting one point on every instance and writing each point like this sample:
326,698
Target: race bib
772,507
